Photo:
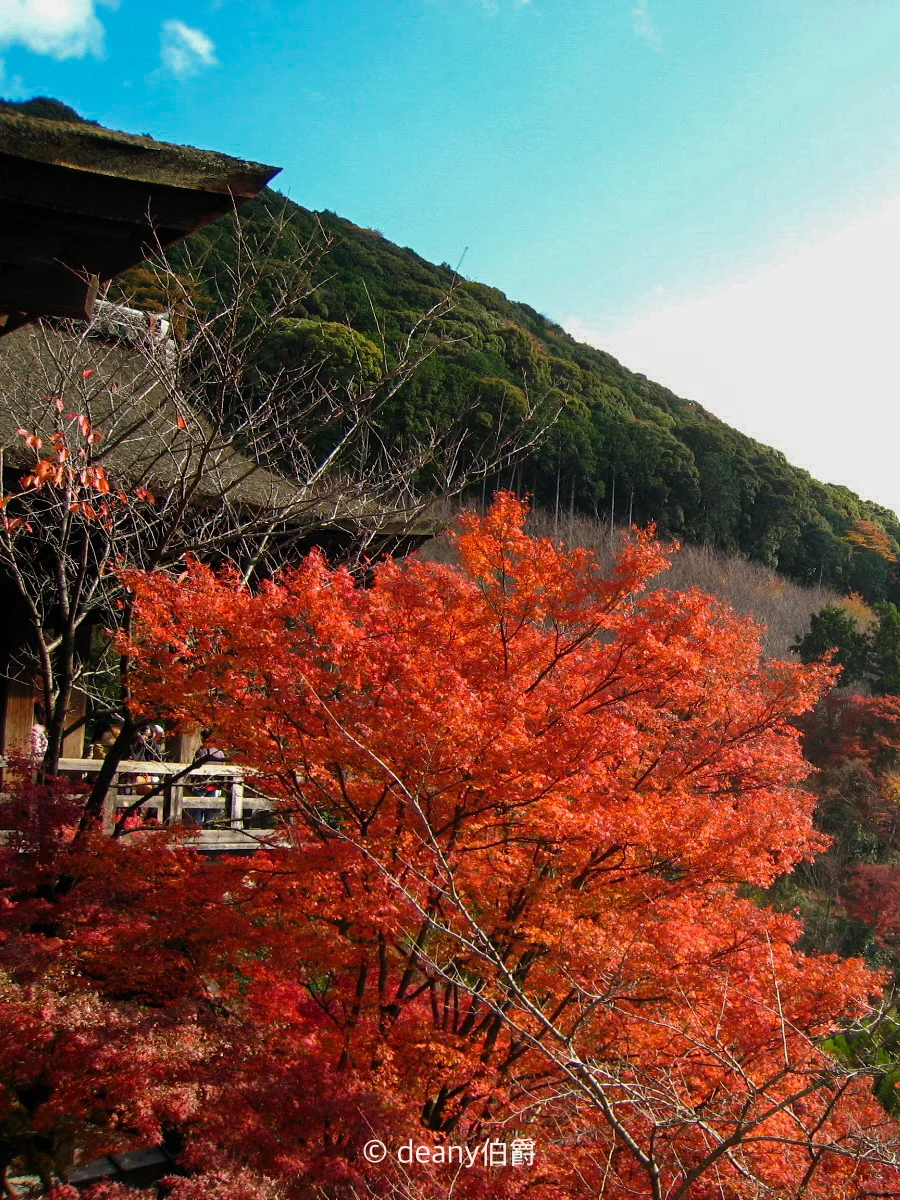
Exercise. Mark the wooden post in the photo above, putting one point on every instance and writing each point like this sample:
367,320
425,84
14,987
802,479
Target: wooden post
108,819
73,745
176,803
236,801
185,744
173,800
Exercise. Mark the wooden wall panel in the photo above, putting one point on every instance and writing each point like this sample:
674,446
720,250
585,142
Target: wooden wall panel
17,700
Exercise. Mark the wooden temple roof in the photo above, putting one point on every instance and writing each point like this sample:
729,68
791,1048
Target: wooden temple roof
79,204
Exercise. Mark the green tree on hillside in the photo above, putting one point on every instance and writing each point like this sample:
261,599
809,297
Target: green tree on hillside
834,629
885,651
870,656
342,356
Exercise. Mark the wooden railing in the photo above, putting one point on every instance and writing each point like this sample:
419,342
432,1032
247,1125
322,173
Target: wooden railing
215,796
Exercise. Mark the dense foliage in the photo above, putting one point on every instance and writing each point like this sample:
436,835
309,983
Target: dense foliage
518,799
867,652
854,744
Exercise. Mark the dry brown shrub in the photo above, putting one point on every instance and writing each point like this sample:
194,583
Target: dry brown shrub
783,607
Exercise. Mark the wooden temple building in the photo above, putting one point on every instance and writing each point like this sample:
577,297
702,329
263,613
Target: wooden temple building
78,205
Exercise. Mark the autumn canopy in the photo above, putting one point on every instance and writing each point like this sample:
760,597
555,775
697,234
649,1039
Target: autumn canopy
519,801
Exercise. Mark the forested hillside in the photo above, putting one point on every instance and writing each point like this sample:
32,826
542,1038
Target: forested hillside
625,447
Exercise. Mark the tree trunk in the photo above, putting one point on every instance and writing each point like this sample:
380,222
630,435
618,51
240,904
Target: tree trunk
612,506
118,752
57,718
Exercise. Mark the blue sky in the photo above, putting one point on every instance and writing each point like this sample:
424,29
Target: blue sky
710,188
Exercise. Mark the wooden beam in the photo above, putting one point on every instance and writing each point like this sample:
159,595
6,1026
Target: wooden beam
47,288
56,194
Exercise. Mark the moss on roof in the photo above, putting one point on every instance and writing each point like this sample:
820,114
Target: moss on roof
138,408
87,147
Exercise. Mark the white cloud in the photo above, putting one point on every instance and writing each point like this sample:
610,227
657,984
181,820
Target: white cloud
642,25
802,355
60,28
185,51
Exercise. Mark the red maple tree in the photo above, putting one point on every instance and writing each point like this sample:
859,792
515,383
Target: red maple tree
517,801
